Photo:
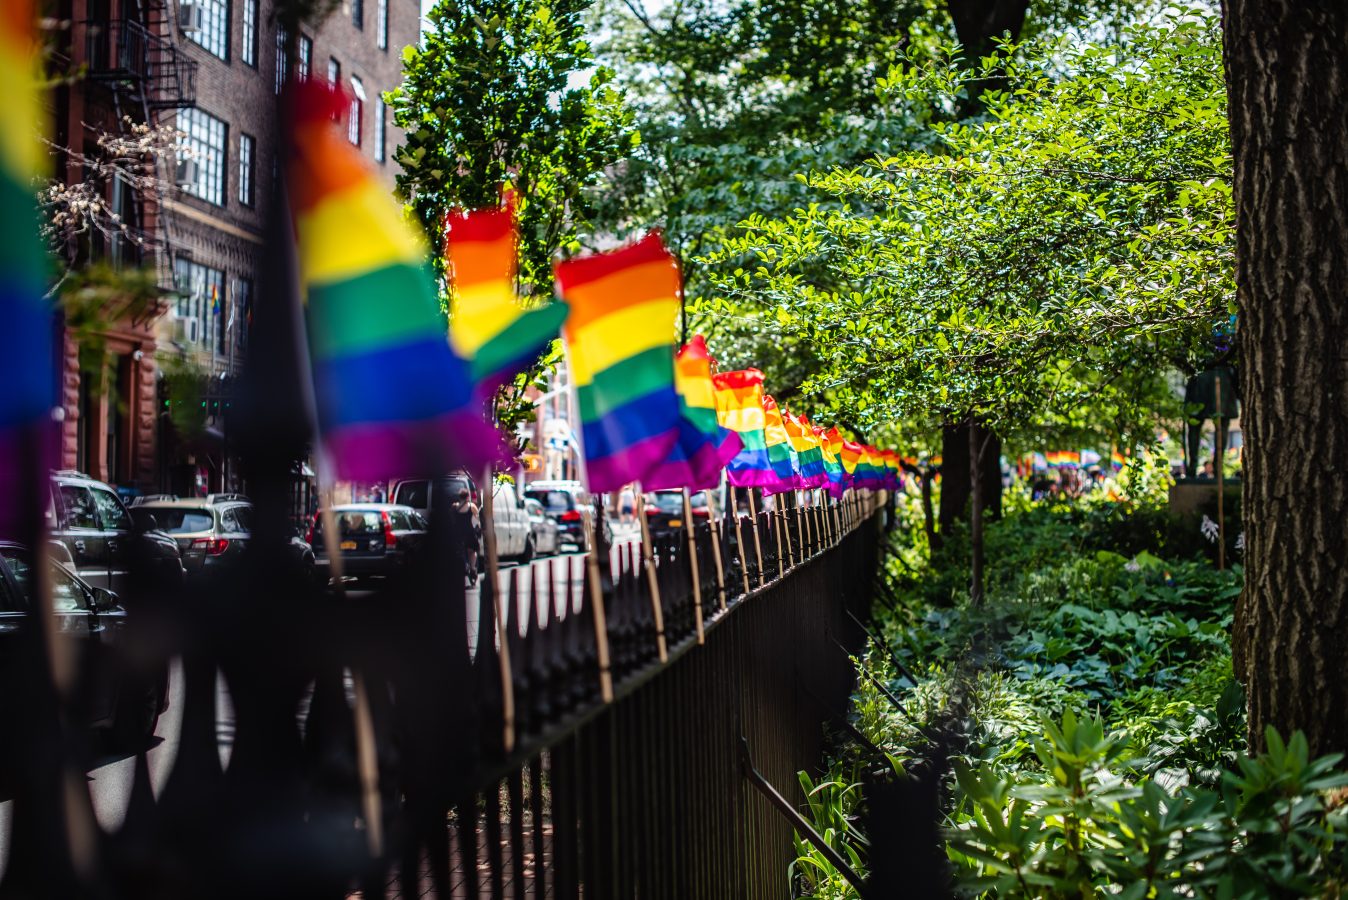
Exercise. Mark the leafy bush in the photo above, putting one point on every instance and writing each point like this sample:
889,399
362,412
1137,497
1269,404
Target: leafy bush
1102,732
1079,827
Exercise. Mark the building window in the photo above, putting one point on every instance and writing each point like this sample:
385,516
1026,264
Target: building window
206,139
379,136
358,13
353,122
213,35
240,316
306,57
381,25
201,299
248,52
334,71
247,167
282,63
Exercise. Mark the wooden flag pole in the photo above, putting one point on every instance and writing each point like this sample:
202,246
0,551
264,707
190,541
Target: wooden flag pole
492,581
652,580
777,530
716,548
597,599
800,527
692,560
758,543
367,753
739,540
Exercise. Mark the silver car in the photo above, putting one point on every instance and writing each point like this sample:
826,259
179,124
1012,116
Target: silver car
547,536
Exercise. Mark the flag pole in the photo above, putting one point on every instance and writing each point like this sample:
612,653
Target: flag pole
498,612
758,543
692,561
367,753
777,531
739,539
601,648
597,604
652,581
716,547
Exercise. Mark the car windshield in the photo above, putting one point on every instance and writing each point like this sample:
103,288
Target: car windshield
669,502
67,594
552,501
353,521
699,500
181,520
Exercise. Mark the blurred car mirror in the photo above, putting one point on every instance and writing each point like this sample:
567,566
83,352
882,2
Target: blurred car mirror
104,600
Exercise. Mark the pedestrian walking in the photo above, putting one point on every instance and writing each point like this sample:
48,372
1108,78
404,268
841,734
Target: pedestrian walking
465,529
627,504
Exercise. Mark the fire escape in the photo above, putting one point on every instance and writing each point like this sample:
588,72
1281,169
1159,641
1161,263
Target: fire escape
132,56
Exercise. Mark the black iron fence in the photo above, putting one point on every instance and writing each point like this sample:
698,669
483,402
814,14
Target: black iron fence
421,737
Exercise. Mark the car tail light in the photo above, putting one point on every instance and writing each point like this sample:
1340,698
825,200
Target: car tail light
571,515
313,526
390,539
701,512
212,546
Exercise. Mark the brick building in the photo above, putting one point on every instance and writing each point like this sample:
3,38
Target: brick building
208,225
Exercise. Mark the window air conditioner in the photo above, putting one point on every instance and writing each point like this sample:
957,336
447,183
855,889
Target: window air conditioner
186,173
189,16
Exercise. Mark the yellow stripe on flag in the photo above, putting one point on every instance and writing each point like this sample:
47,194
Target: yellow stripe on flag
605,342
353,232
481,312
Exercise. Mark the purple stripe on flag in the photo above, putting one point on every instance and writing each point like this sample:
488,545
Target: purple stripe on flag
377,451
632,463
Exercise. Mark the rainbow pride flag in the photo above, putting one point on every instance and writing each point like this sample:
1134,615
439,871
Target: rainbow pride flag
869,472
850,457
704,446
620,339
831,443
1117,460
808,451
393,398
27,341
893,469
781,455
487,326
739,407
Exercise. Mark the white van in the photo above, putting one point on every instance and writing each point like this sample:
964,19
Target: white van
514,534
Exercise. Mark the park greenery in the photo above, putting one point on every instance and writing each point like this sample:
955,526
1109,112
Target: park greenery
1095,731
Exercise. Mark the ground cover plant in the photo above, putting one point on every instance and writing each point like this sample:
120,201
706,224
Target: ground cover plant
1100,736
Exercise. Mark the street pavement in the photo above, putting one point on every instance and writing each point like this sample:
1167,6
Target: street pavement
111,779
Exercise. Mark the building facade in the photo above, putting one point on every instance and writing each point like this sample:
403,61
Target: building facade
208,219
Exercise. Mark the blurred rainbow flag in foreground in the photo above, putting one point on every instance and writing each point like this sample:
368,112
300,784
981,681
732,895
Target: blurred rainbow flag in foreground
393,397
27,364
620,340
488,328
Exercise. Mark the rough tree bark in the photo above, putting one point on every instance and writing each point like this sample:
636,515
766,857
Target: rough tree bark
956,475
1287,74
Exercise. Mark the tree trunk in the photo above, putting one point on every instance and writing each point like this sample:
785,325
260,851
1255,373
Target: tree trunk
956,474
977,444
1287,74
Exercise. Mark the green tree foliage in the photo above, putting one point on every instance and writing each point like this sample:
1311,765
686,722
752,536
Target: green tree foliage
491,99
1062,251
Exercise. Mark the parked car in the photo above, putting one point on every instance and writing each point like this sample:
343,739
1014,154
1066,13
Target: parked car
563,501
514,536
98,530
212,532
94,623
665,513
375,539
547,536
